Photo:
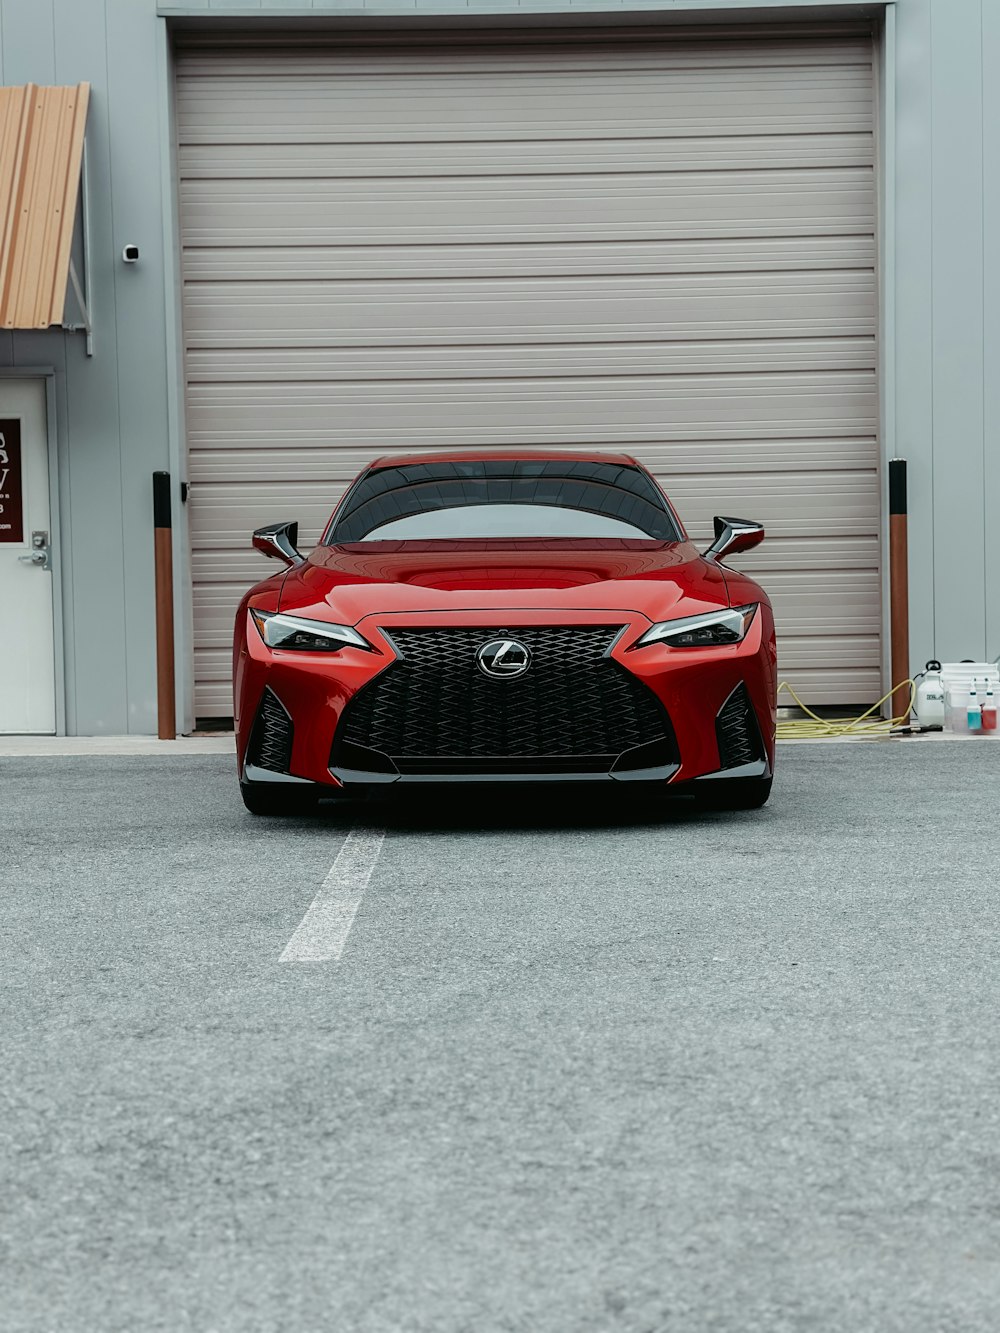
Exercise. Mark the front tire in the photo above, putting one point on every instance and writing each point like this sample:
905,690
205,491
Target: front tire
733,794
277,799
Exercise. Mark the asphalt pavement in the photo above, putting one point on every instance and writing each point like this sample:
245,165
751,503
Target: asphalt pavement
588,1064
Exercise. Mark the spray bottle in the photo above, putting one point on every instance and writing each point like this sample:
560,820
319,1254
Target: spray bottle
989,711
958,710
975,710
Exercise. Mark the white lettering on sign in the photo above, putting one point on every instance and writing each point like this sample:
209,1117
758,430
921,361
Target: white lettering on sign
11,484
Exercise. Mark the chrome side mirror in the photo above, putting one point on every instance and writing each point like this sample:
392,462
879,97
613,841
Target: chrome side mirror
280,541
733,535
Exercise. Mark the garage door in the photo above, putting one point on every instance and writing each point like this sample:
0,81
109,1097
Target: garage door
657,244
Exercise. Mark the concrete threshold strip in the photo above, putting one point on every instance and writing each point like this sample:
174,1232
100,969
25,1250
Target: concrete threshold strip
41,747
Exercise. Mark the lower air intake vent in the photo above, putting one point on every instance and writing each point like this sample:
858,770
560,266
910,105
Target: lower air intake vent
271,738
737,731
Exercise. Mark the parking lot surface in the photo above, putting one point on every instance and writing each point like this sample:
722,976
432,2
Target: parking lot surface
585,1064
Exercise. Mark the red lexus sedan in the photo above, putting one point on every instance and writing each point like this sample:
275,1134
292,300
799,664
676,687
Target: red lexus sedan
511,616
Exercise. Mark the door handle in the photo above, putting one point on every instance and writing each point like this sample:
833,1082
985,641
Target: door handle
39,554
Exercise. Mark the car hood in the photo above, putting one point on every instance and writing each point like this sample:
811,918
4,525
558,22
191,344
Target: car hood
656,579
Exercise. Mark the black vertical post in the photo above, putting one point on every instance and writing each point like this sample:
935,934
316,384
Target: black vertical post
163,552
899,584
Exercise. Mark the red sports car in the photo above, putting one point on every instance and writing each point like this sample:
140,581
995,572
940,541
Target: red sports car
511,616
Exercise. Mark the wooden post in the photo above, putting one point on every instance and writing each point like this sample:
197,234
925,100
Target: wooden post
163,550
899,585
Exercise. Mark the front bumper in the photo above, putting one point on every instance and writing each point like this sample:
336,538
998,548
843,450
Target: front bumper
692,687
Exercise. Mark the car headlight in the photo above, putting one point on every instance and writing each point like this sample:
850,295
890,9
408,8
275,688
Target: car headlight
710,630
311,636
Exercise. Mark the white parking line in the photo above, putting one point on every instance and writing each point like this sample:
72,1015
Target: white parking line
324,929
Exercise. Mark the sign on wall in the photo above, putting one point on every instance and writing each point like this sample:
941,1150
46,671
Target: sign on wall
11,483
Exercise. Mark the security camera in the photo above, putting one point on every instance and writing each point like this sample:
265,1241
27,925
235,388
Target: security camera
131,254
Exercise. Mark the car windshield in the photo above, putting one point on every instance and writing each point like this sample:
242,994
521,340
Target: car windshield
496,498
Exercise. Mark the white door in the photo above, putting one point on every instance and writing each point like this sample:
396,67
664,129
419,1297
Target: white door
27,662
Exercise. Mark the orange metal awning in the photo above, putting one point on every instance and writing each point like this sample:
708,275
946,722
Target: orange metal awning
41,145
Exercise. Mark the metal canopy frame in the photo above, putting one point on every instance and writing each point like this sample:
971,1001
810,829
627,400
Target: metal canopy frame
84,292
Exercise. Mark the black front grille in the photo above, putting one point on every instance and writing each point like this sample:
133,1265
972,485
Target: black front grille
737,731
271,738
433,711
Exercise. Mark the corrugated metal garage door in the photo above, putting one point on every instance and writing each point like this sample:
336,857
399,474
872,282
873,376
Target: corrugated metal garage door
662,244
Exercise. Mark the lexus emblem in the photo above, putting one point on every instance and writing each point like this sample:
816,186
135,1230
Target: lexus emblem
503,659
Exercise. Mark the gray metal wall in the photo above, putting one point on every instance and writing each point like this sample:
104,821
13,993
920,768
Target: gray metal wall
943,383
117,414
113,409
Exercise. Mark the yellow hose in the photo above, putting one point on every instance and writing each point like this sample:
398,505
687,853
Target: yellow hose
813,727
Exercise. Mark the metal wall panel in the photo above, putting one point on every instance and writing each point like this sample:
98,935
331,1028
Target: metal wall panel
110,409
664,246
96,528
957,222
989,50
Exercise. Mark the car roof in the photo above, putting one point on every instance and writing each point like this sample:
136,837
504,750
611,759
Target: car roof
506,455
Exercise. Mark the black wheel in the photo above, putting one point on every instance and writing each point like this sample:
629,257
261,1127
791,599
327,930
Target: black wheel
733,794
264,798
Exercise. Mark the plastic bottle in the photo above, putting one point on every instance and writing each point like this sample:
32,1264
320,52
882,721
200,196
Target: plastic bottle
958,710
975,711
989,712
